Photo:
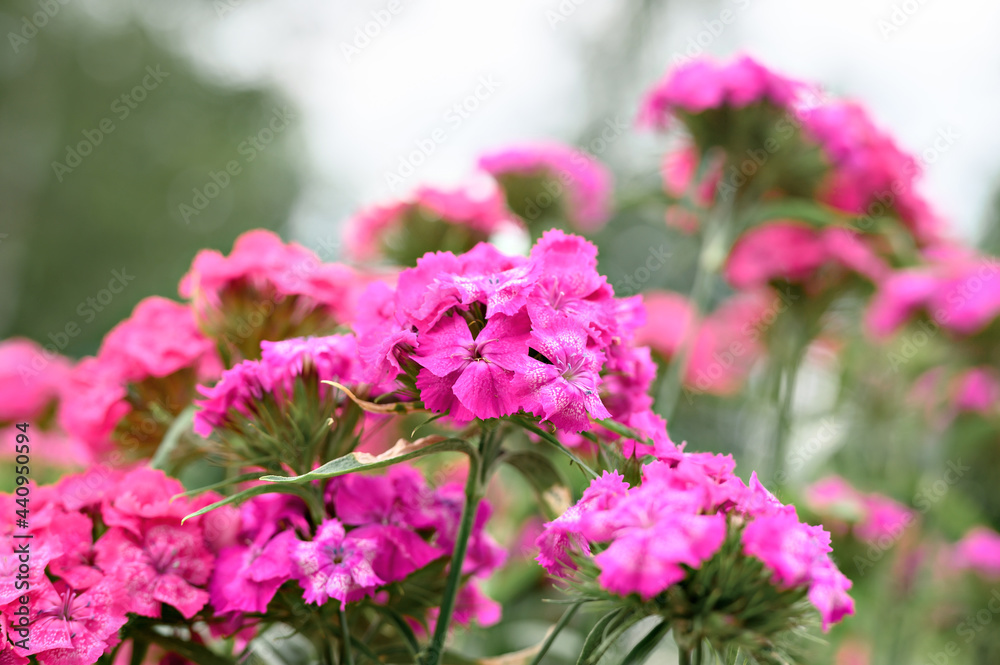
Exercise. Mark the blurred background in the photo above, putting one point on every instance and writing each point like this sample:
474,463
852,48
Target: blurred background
107,166
135,133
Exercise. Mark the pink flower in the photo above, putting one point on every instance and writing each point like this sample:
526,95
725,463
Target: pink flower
564,391
282,364
142,495
977,390
247,576
869,171
700,85
167,563
475,207
480,371
574,179
787,547
979,551
31,379
262,274
795,253
336,565
670,319
93,403
141,346
73,627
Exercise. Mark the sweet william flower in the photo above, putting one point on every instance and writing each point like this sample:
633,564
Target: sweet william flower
481,370
73,627
978,551
335,564
535,176
30,379
564,391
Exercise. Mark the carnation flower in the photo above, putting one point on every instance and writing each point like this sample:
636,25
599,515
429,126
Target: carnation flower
483,335
978,551
535,177
702,84
687,537
31,379
868,168
336,565
432,218
267,290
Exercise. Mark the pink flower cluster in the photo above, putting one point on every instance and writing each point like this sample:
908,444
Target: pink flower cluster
874,517
959,292
648,536
701,85
237,297
380,529
31,379
477,206
487,335
105,544
979,552
137,351
575,179
869,172
797,253
238,393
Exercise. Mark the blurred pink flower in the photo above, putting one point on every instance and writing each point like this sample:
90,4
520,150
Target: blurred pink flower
31,379
978,551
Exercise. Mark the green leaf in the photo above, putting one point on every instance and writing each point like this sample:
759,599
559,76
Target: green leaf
192,651
641,652
596,635
219,485
803,210
545,479
372,407
173,436
401,452
257,490
548,438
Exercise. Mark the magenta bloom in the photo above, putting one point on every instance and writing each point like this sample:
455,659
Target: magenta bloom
795,253
870,173
578,181
979,551
476,206
168,563
701,85
332,358
565,390
977,391
670,319
336,565
93,403
140,346
31,379
141,495
481,371
72,627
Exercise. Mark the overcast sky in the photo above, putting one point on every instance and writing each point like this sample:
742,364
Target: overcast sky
924,69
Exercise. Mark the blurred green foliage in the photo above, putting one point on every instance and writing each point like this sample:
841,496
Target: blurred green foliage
106,135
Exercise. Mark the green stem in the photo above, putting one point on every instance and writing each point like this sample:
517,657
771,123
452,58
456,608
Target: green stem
548,438
683,656
714,249
345,632
473,492
563,621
